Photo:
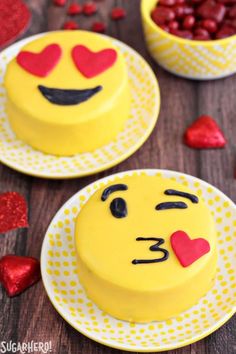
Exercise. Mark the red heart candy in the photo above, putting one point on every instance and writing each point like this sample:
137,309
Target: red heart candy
91,64
213,10
186,250
13,211
18,273
204,133
40,64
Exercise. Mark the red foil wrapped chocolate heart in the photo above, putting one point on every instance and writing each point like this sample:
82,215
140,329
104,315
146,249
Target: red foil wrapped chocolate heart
18,273
204,133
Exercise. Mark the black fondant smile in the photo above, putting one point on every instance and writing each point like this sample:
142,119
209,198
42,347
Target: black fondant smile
67,97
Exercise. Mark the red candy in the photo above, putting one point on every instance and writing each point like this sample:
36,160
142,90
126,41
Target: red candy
200,37
202,34
225,32
59,2
74,9
118,13
167,2
232,12
183,34
173,25
204,133
196,19
18,273
13,212
162,14
14,19
70,25
179,11
182,10
189,22
197,2
98,27
209,25
188,10
211,9
165,28
89,8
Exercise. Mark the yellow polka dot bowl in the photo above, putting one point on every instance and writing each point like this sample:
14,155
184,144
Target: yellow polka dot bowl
202,60
60,278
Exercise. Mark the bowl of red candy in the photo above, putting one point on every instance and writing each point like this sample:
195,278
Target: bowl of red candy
192,38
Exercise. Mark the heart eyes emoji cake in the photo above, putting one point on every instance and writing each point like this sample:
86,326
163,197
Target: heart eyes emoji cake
68,92
146,248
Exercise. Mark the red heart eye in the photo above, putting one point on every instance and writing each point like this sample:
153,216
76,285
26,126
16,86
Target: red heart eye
91,64
40,64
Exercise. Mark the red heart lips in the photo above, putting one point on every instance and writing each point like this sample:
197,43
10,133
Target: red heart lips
204,133
40,64
186,250
13,211
18,273
91,64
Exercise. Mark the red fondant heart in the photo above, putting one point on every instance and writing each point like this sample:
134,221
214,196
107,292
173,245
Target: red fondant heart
186,250
18,273
91,64
13,211
204,133
40,64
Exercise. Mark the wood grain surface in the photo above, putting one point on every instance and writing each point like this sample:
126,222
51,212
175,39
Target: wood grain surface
31,315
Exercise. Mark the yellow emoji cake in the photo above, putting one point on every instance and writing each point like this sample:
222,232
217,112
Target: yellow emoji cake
146,248
68,92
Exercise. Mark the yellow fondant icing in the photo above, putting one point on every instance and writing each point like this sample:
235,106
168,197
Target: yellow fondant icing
66,130
107,245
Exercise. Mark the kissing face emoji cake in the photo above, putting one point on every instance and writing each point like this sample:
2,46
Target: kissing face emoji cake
68,92
146,248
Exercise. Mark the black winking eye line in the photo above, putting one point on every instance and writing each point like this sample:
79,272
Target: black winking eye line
112,189
192,197
154,248
171,205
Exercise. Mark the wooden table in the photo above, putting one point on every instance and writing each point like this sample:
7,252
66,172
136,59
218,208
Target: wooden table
31,315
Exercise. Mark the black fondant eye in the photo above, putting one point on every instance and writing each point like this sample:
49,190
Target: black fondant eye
118,208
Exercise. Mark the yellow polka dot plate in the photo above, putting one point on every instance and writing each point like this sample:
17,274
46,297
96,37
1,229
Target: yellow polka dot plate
59,274
145,107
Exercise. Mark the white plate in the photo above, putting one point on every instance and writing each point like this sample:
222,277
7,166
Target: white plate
145,108
59,274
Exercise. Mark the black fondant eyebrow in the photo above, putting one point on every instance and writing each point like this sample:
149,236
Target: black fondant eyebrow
192,197
112,189
171,205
